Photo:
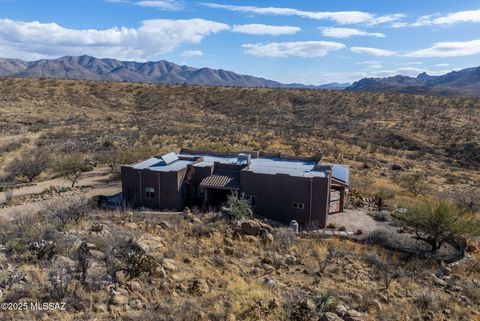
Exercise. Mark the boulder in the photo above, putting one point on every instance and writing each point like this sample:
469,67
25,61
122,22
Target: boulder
397,167
96,271
255,228
165,225
100,308
150,243
169,264
270,283
250,238
135,304
160,271
439,282
199,287
435,280
131,225
290,260
267,237
341,310
64,262
228,241
268,267
329,316
119,299
353,315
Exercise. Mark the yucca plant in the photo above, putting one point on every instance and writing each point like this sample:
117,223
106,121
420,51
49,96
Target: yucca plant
324,301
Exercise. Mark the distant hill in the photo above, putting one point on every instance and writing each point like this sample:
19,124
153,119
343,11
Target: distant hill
334,86
91,68
465,82
458,83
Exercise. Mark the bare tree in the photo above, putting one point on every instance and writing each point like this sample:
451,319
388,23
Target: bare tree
111,158
66,210
413,183
71,167
83,253
8,191
31,164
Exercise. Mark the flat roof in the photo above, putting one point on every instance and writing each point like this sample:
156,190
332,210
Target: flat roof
266,165
158,164
260,165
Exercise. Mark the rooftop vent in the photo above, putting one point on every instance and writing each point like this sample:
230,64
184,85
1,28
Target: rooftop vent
244,159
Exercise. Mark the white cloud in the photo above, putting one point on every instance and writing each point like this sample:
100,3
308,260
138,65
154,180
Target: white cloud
32,40
399,24
192,53
306,49
407,71
261,29
373,51
162,4
458,17
340,17
371,64
347,32
471,16
449,49
442,65
437,19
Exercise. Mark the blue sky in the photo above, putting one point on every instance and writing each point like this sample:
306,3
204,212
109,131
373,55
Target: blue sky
309,42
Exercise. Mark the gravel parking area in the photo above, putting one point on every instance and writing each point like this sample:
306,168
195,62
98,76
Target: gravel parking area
358,219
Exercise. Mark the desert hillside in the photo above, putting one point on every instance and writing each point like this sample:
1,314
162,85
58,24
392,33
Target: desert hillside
58,242
370,132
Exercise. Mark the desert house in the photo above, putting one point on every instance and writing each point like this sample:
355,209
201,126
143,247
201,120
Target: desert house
277,186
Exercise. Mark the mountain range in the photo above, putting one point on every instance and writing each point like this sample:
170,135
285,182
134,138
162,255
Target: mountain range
91,68
457,83
465,82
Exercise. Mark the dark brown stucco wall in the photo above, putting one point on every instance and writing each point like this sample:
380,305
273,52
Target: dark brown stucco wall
275,194
168,194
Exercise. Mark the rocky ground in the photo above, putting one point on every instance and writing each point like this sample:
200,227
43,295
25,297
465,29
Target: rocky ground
114,265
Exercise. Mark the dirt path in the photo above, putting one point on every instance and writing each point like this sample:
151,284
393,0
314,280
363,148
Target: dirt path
98,178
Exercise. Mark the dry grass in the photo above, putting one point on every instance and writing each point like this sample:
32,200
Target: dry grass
436,136
370,132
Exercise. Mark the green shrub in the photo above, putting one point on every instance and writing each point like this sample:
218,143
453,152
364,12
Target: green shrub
386,194
239,207
379,237
43,250
437,222
382,217
18,245
139,263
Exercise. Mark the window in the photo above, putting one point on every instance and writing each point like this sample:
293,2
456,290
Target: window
251,199
149,192
299,206
199,191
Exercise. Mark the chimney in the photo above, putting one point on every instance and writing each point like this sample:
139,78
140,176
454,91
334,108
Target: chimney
318,155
